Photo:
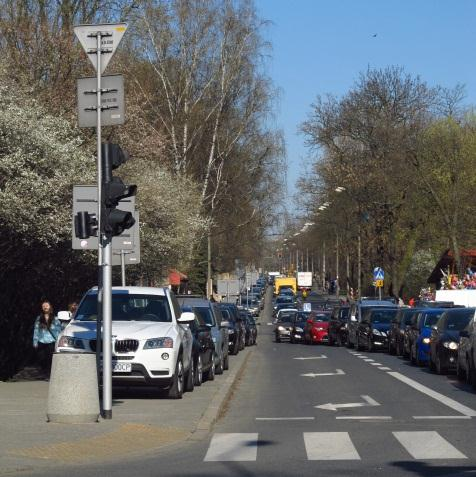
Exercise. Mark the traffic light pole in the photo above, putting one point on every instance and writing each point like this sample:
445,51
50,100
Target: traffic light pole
105,259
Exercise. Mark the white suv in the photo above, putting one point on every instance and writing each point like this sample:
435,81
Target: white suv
151,341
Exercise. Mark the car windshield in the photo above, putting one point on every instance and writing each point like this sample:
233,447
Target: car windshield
284,299
321,317
205,314
407,318
457,322
287,316
431,319
128,307
382,316
285,319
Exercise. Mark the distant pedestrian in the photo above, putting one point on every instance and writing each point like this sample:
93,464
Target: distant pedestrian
46,330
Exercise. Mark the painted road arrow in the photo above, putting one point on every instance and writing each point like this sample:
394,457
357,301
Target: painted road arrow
323,356
314,375
333,407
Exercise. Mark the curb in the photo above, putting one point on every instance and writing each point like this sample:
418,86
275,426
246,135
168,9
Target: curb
219,402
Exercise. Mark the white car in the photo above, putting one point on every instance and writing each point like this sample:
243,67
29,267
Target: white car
151,340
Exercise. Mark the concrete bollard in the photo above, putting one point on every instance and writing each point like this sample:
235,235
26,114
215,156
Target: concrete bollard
73,394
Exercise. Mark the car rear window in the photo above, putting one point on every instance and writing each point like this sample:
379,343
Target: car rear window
382,316
458,321
205,314
430,319
128,307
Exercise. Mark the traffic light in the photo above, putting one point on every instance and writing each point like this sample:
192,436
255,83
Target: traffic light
115,221
85,225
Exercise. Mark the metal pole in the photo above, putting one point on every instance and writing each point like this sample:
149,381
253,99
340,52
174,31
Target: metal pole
337,265
347,272
209,265
297,259
123,267
105,244
307,259
324,265
359,271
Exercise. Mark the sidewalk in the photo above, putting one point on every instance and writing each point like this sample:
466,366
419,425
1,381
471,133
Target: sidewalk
142,422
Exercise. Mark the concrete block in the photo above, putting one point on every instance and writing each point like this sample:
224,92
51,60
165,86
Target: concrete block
73,394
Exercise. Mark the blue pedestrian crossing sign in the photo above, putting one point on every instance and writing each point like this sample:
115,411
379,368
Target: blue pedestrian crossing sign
378,274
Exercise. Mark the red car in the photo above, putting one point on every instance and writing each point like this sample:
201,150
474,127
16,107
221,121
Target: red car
317,327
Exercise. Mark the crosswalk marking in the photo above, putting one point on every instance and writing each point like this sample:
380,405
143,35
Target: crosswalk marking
376,364
427,445
233,447
330,446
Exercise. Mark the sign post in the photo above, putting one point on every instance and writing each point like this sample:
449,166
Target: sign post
100,42
379,276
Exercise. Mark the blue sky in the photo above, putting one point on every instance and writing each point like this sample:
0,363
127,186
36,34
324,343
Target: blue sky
320,46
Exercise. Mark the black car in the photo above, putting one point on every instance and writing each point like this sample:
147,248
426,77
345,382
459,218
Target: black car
356,313
250,327
298,325
338,325
399,325
373,328
466,365
236,328
444,338
282,330
203,352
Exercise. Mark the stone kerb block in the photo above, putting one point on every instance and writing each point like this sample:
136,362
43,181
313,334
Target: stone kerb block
73,394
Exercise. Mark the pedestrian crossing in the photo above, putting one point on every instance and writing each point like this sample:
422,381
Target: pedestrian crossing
334,446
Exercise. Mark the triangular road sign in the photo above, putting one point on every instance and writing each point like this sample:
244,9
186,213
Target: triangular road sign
87,35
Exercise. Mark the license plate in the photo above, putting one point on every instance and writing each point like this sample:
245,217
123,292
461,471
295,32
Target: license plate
121,367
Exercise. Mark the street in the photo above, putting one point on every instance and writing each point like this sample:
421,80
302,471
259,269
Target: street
302,410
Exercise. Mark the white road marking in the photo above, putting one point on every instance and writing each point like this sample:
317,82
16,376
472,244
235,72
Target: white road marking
233,447
368,360
329,446
361,356
269,324
333,407
378,418
323,356
427,445
376,364
461,408
441,417
313,375
285,418
384,368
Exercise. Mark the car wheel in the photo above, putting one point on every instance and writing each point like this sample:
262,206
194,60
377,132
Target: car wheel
391,348
412,355
190,378
226,362
418,361
339,340
370,345
440,368
199,371
471,374
460,374
278,339
221,366
176,388
358,346
348,343
330,340
211,372
431,364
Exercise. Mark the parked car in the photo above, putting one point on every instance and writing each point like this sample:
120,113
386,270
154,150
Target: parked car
466,362
444,339
419,334
316,327
286,311
338,325
236,328
152,342
250,328
298,325
284,306
203,352
373,328
211,314
357,311
396,333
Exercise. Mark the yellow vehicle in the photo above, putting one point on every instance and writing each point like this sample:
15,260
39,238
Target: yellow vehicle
286,282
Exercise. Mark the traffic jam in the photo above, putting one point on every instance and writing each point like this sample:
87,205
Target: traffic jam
437,333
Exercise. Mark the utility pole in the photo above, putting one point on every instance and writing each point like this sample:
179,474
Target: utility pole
324,265
337,266
359,271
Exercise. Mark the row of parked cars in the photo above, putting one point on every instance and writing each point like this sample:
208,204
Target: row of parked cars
438,335
170,342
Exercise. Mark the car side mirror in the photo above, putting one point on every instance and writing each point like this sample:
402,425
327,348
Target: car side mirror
186,317
353,318
64,315
225,324
464,334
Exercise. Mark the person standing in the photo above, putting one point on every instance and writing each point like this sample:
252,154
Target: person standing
45,332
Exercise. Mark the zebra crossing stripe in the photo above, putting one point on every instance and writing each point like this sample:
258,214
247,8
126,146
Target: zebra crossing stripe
329,446
427,445
225,447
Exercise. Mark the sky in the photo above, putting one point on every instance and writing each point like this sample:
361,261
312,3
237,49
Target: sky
321,46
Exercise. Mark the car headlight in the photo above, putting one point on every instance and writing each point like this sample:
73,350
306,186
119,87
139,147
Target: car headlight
155,343
450,345
426,340
281,328
70,342
300,330
377,332
320,328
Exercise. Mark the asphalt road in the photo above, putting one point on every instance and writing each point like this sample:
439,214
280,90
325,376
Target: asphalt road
379,416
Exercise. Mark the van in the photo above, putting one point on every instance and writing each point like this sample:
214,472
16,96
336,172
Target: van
286,282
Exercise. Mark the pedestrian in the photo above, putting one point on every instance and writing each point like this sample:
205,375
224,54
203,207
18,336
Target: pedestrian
46,330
